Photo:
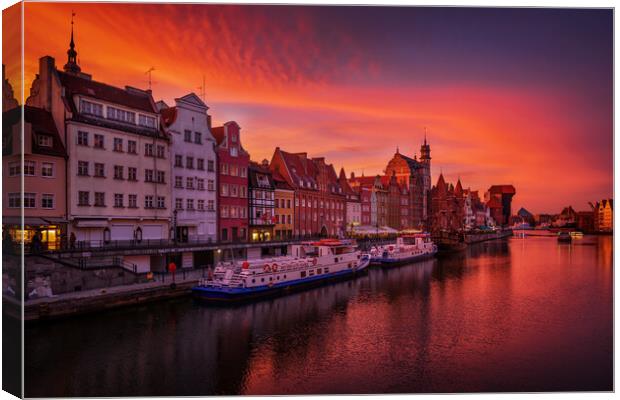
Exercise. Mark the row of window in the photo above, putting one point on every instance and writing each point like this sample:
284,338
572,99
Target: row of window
233,170
283,203
30,169
150,175
230,190
150,201
189,183
150,149
262,194
189,163
189,204
314,216
197,137
330,205
30,200
113,113
284,219
233,211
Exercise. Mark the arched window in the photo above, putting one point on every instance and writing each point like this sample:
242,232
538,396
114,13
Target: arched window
137,234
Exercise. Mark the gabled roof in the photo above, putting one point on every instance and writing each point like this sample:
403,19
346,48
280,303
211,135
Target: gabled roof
42,124
254,170
193,99
280,182
128,97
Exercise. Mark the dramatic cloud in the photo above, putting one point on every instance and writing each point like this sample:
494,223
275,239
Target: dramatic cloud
520,96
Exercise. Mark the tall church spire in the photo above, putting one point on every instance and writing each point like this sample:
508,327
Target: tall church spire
72,65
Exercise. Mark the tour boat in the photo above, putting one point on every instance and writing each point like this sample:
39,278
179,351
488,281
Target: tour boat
309,263
564,237
576,235
408,248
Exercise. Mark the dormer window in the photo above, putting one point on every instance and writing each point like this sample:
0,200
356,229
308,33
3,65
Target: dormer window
44,140
88,107
233,138
233,151
121,115
145,120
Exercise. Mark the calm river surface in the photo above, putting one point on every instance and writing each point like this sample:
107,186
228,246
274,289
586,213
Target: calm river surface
509,315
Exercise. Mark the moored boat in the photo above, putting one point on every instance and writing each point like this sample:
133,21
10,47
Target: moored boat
310,263
564,237
408,248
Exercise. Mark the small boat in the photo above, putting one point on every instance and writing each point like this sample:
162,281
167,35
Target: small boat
310,263
576,235
564,237
408,248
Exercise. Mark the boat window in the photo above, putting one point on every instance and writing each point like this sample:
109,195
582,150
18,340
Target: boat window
284,276
270,279
311,272
303,274
336,259
278,277
318,271
262,279
253,280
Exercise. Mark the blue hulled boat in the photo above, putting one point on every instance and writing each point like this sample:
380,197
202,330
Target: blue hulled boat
407,249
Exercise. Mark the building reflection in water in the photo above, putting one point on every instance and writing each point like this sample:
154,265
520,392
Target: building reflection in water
509,315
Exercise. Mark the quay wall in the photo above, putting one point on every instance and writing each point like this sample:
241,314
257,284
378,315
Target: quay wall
471,238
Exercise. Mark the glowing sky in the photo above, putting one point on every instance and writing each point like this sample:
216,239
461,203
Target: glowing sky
519,96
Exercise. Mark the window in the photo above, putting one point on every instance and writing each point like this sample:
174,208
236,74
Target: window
189,183
132,173
178,204
161,151
188,136
148,201
211,205
178,161
99,170
15,168
189,162
190,204
201,205
83,198
148,175
118,172
200,183
121,115
234,170
146,120
233,212
197,137
82,168
243,191
234,190
161,177
29,168
211,185
99,141
224,211
224,189
132,147
44,140
288,203
234,152
15,200
118,200
30,200
118,144
133,201
243,172
210,166
178,182
161,202
88,107
224,169
82,138
148,149
99,199
200,164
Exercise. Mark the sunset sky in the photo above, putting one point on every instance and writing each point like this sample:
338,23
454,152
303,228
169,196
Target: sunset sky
509,96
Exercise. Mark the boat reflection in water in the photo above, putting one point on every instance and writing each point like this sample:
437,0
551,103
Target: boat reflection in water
506,315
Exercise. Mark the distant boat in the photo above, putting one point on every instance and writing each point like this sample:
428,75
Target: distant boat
408,248
564,237
576,235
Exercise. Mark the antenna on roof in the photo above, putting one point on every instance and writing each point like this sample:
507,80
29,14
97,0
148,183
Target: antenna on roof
202,89
150,74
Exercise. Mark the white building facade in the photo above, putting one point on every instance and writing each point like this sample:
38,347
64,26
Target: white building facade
193,165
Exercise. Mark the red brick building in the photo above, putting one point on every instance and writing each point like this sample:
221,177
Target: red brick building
499,200
448,206
232,175
320,202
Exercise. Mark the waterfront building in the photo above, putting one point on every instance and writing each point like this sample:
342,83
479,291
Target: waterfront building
499,200
448,205
193,165
320,202
415,175
118,171
232,188
585,221
365,194
567,218
378,198
523,215
603,215
261,202
284,207
43,171
354,206
393,193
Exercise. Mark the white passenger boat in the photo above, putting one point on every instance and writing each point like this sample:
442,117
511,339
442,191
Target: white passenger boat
408,248
309,263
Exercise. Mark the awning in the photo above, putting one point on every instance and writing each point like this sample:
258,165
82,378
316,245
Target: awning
91,223
36,221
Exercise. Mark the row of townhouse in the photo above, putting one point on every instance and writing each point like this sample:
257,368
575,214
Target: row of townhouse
104,165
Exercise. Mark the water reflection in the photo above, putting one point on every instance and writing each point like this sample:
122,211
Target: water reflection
509,315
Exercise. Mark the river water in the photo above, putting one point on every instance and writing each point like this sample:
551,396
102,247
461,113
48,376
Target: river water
508,315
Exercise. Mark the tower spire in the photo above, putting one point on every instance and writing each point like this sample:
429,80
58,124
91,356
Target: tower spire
424,136
72,65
